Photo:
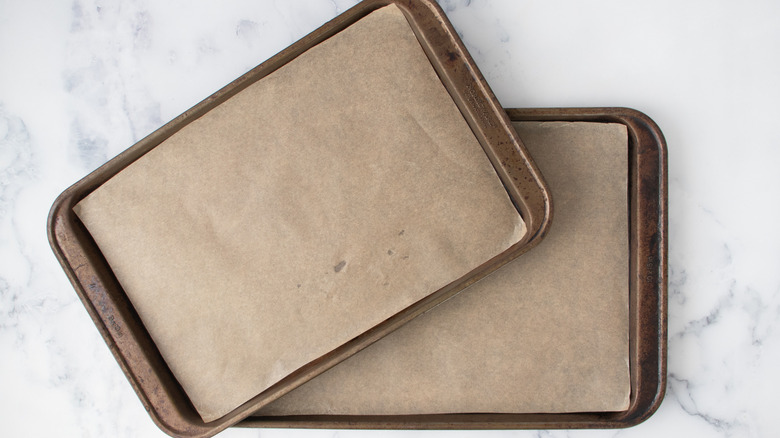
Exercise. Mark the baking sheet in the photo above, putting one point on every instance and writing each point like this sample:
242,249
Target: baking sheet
546,333
247,259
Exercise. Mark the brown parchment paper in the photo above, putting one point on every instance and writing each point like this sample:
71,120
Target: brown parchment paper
306,209
546,333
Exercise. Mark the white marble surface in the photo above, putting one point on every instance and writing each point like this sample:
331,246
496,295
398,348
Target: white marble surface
82,80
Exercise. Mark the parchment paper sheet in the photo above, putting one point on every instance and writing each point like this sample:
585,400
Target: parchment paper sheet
303,211
546,333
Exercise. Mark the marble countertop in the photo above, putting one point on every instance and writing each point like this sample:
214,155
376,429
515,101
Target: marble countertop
80,81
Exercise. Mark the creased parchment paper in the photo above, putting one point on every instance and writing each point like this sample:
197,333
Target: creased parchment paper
303,211
546,333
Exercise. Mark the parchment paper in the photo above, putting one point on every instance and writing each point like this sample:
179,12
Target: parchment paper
546,333
303,211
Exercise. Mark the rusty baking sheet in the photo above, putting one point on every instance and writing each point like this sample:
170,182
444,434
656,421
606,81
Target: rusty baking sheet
647,207
120,325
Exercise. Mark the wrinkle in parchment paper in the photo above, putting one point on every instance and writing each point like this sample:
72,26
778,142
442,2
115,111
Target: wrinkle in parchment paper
547,332
304,210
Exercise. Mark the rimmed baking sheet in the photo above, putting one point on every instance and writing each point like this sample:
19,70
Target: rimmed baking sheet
119,321
372,389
